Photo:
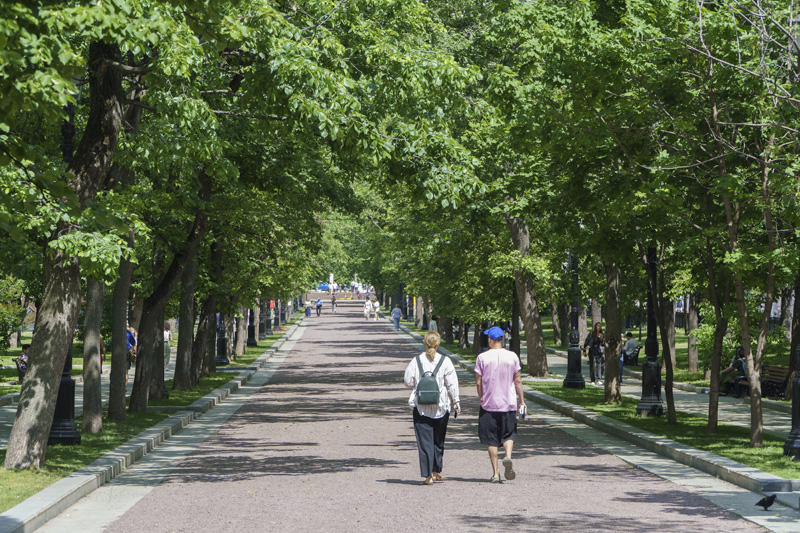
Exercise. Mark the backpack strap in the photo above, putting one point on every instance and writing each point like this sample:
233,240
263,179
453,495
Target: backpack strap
435,370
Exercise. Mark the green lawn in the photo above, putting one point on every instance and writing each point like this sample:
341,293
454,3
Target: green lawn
18,485
206,385
732,442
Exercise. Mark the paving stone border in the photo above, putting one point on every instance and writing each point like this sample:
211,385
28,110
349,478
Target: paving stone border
731,471
34,512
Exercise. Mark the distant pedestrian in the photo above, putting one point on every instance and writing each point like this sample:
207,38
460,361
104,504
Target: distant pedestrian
333,303
595,345
499,381
367,309
319,306
430,420
376,307
308,307
167,340
396,314
433,325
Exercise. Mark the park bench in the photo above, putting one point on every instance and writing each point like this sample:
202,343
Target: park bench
20,372
633,359
774,380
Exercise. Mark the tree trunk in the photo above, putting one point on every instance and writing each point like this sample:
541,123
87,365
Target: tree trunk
667,309
92,396
183,358
205,329
463,335
665,313
563,324
61,291
135,314
154,305
583,329
613,393
556,324
692,322
241,333
209,342
786,312
596,311
118,378
230,335
795,333
157,379
419,311
447,328
529,307
476,340
515,345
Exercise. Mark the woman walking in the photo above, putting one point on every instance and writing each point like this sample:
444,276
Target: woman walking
430,420
595,344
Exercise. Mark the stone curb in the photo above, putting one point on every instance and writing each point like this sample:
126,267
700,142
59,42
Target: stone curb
731,471
6,399
48,503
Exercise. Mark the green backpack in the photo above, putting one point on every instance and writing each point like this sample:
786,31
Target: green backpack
428,388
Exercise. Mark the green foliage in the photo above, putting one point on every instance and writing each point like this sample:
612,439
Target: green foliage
11,312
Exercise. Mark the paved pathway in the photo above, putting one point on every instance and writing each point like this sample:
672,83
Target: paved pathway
321,440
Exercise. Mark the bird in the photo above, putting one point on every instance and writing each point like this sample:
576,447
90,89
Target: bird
766,502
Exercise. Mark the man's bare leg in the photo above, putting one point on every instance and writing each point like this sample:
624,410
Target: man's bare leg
493,459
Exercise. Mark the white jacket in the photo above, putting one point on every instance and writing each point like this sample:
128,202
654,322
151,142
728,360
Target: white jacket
446,378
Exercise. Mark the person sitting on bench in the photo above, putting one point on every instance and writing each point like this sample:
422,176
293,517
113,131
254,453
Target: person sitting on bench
22,361
739,382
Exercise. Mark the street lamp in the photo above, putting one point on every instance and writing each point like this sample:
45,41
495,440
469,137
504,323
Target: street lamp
650,403
251,328
222,342
574,379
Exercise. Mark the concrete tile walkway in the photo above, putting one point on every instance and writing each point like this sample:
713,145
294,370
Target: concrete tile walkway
326,444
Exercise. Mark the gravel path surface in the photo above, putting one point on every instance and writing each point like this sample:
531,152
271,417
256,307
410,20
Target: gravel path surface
327,445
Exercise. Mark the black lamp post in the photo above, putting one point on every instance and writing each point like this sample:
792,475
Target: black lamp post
650,403
64,430
262,319
276,317
268,317
574,379
222,342
251,328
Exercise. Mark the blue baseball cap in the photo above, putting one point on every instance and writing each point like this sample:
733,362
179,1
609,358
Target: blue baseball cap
494,333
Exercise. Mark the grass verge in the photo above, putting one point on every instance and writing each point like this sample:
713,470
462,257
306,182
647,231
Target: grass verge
180,398
19,485
732,442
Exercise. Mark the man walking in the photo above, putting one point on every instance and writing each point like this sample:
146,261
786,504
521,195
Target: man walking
396,316
499,381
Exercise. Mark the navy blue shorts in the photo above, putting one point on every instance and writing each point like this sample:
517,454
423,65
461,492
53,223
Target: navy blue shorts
494,428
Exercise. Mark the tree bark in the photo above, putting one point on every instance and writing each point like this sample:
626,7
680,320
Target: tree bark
795,333
667,309
463,334
515,345
692,322
183,358
583,329
596,311
447,328
666,318
92,397
118,378
786,312
563,324
241,333
529,307
151,326
205,329
135,314
613,393
556,324
61,294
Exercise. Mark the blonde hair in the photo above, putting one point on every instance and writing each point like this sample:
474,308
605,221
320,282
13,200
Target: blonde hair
432,340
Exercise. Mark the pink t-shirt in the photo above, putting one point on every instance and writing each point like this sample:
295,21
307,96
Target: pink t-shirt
496,369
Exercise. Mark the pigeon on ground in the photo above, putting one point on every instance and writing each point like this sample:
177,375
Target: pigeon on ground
766,502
